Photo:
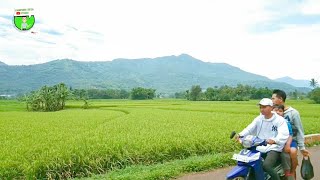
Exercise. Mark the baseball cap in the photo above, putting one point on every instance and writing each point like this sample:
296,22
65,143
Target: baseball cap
266,102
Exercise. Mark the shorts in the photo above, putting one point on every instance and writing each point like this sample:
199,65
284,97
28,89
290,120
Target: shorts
294,144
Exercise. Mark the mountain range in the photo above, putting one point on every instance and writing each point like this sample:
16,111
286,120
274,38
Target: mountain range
168,74
294,82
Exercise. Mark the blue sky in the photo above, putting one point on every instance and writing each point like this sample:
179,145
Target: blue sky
274,38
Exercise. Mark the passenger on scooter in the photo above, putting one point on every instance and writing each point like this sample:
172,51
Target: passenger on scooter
293,116
272,127
285,155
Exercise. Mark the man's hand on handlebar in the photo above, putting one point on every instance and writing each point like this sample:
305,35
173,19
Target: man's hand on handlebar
270,141
237,138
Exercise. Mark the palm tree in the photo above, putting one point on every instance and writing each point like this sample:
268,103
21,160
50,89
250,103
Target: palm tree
313,83
62,92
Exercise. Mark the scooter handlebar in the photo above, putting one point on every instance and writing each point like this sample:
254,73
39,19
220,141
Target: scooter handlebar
233,133
262,143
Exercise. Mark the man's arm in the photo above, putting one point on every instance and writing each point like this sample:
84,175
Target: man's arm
300,132
251,128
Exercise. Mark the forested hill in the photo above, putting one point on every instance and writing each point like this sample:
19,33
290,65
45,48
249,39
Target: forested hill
167,74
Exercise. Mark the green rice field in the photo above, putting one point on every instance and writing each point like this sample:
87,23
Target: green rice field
114,135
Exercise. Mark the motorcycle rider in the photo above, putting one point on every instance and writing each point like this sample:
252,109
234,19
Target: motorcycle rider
272,127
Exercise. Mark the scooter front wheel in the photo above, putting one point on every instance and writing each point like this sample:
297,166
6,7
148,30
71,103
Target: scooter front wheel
237,178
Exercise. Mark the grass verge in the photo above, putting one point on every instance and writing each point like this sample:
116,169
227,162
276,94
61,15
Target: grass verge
169,169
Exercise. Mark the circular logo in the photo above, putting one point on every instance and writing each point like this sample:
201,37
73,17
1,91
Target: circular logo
23,23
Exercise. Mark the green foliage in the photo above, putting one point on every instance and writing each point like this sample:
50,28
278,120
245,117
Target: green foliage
108,94
227,93
140,93
48,98
181,95
259,93
79,94
86,104
296,95
315,95
195,93
313,83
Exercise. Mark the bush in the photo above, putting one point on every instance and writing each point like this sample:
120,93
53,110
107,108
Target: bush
315,95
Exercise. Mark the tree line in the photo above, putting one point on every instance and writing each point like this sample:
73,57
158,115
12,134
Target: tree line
242,93
53,98
225,93
137,93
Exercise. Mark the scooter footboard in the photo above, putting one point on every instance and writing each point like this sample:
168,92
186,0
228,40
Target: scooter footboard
238,171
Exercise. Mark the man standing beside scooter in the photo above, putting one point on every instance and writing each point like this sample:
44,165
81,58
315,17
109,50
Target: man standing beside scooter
272,127
293,116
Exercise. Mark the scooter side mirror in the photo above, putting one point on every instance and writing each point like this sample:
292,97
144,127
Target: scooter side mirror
233,133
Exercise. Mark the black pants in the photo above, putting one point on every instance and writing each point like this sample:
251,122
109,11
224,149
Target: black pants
270,162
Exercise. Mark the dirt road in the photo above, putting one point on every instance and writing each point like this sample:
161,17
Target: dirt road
220,174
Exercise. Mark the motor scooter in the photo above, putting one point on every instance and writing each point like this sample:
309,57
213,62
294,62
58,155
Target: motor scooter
249,161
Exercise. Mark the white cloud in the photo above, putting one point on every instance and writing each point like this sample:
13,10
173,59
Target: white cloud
216,31
311,7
